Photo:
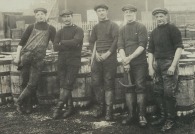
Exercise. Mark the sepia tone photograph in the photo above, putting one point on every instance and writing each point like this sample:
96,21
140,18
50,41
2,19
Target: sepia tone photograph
97,66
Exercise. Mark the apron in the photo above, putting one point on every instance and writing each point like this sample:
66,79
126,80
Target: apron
35,48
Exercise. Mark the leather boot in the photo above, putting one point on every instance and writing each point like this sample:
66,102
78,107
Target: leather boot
69,111
26,93
170,107
34,100
58,110
162,115
171,113
28,107
100,97
130,102
99,112
141,101
109,105
19,108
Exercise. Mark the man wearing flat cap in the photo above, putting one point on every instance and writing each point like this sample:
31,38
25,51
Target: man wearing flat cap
132,49
165,47
30,53
68,42
104,35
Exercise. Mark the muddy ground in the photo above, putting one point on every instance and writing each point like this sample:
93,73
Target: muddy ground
82,122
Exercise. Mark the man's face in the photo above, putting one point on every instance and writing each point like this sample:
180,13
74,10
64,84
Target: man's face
40,16
129,15
67,19
102,13
161,18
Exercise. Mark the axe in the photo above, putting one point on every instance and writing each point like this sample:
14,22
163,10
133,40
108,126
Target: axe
127,80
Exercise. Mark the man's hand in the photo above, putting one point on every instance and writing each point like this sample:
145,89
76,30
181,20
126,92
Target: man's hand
16,61
171,70
105,55
126,60
151,72
126,68
98,57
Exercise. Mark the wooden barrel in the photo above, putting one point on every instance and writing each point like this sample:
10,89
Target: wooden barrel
5,90
82,93
190,60
14,44
20,24
16,81
191,56
5,45
188,33
186,91
48,87
190,49
184,54
119,92
16,33
182,29
192,33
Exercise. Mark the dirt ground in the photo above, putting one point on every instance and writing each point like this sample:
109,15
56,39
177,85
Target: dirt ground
82,122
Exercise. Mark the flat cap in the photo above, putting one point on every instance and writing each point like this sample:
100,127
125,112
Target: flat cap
40,9
160,10
129,7
66,12
101,6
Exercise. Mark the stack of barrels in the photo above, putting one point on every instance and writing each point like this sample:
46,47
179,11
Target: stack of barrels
186,87
48,89
82,93
5,89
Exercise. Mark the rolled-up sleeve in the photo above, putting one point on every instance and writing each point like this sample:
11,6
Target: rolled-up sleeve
121,42
142,36
176,38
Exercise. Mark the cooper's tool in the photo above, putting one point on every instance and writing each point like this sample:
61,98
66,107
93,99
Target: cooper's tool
127,80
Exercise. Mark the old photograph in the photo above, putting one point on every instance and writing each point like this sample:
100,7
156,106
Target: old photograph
97,66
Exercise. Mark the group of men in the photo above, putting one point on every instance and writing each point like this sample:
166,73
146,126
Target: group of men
164,49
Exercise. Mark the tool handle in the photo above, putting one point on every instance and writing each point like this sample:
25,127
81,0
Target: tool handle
129,78
93,54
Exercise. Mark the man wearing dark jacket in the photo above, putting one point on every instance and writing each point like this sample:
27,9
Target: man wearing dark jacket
165,47
105,35
68,42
